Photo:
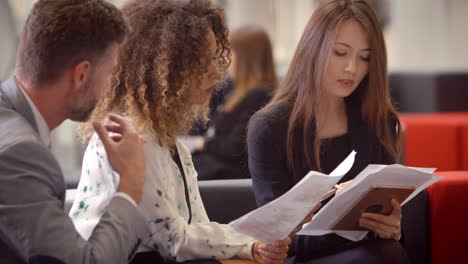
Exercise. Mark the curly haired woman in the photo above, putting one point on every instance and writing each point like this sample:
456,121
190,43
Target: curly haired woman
166,72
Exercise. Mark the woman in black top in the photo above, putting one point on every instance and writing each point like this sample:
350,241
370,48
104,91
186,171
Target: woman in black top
223,156
334,99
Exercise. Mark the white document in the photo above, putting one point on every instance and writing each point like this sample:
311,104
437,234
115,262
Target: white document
277,219
395,174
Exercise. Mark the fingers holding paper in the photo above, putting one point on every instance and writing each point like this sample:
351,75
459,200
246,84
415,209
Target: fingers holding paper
274,253
386,226
342,185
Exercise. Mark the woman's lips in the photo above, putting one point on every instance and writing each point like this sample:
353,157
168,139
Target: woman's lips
346,83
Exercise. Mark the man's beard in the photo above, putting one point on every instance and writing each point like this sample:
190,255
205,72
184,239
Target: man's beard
83,107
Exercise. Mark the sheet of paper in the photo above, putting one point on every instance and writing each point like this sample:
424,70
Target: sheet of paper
278,218
395,174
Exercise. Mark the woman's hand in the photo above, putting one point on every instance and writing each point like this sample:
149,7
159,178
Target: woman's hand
341,186
307,219
386,226
199,144
274,253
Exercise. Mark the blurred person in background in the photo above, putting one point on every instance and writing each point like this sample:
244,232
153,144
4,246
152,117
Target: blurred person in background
223,155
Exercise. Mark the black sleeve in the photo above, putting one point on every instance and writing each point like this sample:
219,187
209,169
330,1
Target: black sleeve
266,144
266,140
267,165
386,158
231,141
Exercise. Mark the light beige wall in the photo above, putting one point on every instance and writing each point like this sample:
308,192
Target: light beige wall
284,20
8,41
458,33
424,35
291,19
428,35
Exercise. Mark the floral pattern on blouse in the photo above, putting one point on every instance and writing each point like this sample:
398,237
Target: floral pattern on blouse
163,205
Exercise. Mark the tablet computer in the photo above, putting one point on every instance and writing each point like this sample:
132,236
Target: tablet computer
376,200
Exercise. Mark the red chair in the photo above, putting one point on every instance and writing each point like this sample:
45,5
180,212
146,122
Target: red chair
464,144
436,140
430,141
448,210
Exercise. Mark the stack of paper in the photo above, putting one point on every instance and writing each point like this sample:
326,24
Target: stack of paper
277,219
395,174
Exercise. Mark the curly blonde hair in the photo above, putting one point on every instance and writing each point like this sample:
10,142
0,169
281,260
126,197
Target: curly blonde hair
165,53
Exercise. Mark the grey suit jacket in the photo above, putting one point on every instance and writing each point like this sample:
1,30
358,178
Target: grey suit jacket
33,225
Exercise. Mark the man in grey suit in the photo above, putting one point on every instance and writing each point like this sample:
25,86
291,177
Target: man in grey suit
67,52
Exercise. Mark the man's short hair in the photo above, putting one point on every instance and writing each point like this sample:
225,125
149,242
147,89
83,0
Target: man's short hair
61,33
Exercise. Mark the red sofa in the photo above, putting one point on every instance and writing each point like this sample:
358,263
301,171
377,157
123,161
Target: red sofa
448,216
437,140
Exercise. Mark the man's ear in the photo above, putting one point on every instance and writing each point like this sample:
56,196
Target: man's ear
81,73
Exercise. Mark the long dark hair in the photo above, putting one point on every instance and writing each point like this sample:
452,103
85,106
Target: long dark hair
254,63
300,87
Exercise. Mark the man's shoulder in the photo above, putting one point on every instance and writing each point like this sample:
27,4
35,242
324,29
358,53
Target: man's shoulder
23,155
15,129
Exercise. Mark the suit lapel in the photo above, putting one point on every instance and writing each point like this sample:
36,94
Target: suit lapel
14,99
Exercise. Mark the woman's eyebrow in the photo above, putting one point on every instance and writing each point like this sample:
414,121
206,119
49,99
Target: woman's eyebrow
346,45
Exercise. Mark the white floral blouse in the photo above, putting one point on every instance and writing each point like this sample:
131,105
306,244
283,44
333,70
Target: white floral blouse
163,205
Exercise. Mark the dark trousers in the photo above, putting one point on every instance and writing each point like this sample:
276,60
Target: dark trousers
366,251
153,257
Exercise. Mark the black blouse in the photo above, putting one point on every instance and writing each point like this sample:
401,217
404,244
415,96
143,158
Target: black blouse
271,178
333,151
224,155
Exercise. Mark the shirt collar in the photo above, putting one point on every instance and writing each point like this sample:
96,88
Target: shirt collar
44,132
